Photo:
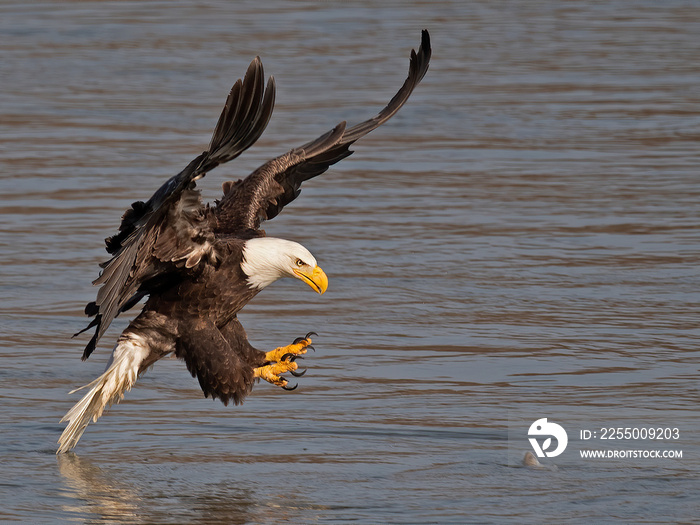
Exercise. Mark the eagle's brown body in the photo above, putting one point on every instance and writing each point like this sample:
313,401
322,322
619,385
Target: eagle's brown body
199,264
214,346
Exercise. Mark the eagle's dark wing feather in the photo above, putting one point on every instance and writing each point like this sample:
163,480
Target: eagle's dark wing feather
171,232
264,193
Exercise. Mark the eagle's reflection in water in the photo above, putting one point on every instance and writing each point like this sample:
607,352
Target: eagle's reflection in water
97,494
100,494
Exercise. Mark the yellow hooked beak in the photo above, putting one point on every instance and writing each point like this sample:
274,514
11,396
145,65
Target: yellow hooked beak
316,278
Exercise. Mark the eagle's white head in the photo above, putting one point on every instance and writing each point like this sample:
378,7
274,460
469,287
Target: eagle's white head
267,259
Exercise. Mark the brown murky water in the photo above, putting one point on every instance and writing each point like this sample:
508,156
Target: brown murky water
519,242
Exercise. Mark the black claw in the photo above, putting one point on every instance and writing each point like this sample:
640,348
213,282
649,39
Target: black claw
310,348
292,388
297,374
310,334
286,356
298,340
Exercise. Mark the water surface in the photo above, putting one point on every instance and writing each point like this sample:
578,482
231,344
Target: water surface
519,242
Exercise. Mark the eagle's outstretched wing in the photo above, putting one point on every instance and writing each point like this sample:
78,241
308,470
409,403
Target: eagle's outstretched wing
171,232
264,193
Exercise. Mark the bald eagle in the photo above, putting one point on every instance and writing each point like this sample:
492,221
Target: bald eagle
199,265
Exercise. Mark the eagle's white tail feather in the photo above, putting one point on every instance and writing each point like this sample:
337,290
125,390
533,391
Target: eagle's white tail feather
121,374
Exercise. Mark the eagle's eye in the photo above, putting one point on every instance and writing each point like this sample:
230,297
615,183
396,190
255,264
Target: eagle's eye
300,263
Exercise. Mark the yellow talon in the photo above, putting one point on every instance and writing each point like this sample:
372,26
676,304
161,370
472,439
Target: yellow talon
271,373
281,360
294,349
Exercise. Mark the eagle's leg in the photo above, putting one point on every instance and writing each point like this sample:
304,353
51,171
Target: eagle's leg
282,360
